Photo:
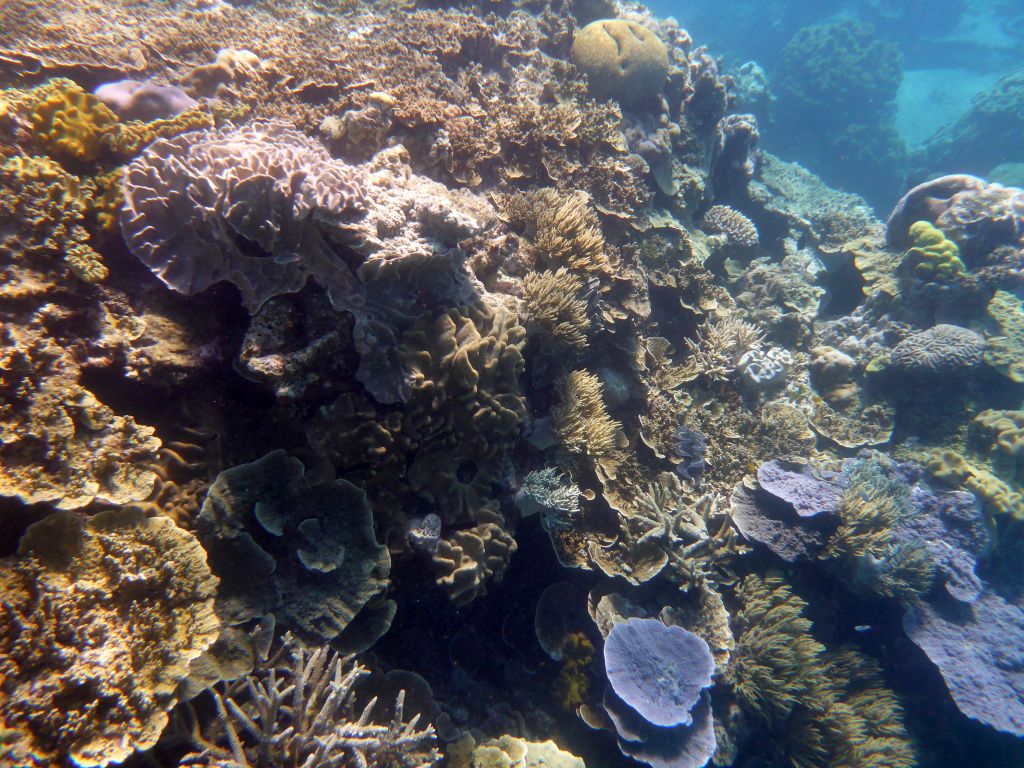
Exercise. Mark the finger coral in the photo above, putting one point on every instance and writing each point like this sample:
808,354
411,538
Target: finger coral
100,620
738,230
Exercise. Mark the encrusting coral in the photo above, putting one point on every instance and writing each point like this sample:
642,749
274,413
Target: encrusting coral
100,619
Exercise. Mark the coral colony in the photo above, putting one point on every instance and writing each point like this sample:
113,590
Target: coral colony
419,383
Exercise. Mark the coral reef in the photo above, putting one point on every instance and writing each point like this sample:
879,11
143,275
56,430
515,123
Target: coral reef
110,610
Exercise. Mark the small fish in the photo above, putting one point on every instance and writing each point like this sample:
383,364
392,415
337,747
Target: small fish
862,628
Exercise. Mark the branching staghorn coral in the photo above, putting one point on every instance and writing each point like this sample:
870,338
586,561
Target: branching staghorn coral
696,537
581,420
719,346
298,710
554,306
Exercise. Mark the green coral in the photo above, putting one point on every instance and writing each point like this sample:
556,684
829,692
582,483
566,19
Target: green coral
932,253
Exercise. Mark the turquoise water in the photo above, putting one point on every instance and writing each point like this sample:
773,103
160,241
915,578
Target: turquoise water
518,384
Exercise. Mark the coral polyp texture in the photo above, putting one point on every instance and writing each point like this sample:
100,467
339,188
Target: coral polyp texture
429,382
139,594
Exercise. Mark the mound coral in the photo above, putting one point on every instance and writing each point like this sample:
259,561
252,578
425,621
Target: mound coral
69,122
581,420
100,620
622,60
299,709
933,254
307,554
942,349
739,231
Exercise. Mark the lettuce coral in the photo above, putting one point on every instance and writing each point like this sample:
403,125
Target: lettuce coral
307,554
100,620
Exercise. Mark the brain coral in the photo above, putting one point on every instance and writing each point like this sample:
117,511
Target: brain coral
307,554
100,620
249,205
622,61
940,349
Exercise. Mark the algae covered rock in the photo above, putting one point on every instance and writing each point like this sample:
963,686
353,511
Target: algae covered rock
622,61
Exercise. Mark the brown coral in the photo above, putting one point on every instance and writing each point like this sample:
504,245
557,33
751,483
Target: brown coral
100,620
581,420
58,443
465,562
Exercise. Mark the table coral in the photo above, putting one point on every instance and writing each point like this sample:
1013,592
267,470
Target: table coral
58,443
101,619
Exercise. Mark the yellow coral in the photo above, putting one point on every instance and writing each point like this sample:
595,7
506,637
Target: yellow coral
933,253
581,420
1005,427
1000,499
129,138
70,122
572,686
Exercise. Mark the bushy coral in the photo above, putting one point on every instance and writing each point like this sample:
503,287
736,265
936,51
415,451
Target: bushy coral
299,709
738,230
581,419
100,620
555,308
